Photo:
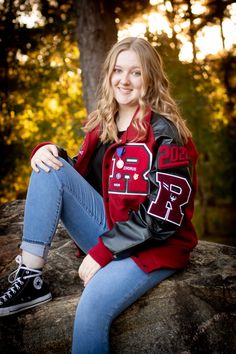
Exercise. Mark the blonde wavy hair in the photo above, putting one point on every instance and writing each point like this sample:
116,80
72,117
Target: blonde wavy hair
154,94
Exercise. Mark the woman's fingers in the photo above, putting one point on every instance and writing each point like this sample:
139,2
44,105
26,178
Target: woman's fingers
53,149
49,159
42,165
88,268
34,166
46,157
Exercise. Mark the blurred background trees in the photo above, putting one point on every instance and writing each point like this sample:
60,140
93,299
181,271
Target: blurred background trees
51,55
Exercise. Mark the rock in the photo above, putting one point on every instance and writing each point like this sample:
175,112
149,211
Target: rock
193,312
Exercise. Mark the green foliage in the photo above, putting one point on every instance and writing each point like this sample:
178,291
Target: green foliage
41,94
47,110
222,223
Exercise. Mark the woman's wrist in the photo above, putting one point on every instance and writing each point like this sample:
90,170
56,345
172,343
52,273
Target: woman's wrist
38,147
101,254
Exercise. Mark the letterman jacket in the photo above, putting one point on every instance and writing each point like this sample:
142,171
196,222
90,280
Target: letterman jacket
148,195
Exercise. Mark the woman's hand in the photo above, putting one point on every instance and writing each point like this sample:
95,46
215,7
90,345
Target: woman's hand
46,157
88,268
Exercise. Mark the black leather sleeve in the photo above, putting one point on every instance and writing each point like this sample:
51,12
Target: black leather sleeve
142,229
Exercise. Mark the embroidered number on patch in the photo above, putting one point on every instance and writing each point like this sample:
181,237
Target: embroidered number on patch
131,178
174,192
172,156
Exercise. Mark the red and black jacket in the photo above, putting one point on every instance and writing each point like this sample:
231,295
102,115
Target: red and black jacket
148,197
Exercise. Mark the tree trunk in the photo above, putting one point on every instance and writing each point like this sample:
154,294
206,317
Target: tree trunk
96,32
222,33
192,30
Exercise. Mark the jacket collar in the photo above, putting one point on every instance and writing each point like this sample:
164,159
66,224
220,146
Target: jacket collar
131,132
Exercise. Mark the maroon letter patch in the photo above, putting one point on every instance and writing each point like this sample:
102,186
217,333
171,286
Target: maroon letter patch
130,169
174,192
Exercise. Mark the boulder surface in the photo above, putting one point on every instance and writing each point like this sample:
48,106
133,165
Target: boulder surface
193,312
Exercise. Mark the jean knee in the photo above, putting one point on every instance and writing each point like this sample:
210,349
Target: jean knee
90,311
52,174
63,173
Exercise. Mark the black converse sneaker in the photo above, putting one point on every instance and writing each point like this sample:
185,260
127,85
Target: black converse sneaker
27,290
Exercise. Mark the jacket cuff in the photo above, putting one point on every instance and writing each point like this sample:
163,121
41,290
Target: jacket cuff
101,254
38,147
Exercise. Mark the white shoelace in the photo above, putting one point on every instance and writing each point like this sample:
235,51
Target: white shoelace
17,281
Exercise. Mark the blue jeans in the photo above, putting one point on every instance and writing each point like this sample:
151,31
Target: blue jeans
65,195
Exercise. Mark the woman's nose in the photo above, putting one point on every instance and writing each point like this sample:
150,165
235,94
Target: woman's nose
124,78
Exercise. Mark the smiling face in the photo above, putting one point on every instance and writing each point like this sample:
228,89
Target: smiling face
126,80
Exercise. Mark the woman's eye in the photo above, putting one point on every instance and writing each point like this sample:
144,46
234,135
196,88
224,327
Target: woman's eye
136,73
117,70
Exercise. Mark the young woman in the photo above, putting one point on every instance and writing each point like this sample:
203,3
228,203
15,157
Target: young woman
126,199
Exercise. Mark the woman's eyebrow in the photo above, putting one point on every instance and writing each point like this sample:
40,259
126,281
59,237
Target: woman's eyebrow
123,66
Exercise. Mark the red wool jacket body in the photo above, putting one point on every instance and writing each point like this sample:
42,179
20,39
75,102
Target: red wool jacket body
148,191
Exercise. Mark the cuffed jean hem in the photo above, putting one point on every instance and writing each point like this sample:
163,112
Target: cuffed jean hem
36,249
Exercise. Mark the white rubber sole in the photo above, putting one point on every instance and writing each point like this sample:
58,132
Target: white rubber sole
11,310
